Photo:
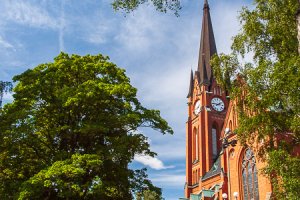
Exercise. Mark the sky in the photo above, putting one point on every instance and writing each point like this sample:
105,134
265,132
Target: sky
157,51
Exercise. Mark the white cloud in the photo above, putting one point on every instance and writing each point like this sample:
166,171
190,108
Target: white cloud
26,14
169,84
99,29
98,36
141,29
225,24
174,149
6,44
154,163
172,180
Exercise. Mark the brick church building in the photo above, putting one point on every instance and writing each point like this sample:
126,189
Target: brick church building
213,173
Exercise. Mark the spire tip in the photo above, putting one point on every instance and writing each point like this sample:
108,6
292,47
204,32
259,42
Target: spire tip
206,4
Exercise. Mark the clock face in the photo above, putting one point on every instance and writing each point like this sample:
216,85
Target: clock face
217,104
197,107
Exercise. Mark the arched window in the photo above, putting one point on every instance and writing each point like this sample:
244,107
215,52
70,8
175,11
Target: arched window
195,145
250,181
214,142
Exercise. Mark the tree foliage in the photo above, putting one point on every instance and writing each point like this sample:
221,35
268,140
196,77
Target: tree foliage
143,188
267,88
148,195
71,131
287,174
160,5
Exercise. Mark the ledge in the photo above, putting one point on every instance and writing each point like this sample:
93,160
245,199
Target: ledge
193,186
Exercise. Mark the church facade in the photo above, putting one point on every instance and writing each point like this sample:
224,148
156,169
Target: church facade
213,172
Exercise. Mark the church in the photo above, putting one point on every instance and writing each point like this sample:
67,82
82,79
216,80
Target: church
212,171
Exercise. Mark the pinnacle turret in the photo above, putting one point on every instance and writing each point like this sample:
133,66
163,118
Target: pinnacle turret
191,85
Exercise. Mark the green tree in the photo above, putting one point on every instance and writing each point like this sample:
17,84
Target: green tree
148,195
71,131
160,5
269,107
5,86
143,187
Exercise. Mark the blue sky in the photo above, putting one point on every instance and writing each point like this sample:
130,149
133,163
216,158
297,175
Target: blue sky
157,50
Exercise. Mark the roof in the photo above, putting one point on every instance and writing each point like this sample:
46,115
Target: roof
202,193
215,170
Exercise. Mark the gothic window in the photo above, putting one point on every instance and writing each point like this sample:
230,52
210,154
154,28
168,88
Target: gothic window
195,145
214,143
249,174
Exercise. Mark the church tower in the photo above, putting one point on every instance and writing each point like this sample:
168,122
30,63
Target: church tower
207,107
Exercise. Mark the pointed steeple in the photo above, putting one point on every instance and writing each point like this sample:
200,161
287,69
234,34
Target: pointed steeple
191,85
207,46
204,78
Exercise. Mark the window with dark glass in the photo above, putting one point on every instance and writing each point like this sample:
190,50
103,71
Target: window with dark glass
214,143
195,153
249,176
197,146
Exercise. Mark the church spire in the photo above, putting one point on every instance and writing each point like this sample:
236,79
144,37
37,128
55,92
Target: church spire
207,46
191,85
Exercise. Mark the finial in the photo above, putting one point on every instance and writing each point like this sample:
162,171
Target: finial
206,3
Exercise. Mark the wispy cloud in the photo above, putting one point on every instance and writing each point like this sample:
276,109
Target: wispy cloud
100,29
175,149
5,44
168,84
154,163
24,13
141,30
172,180
99,34
225,23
